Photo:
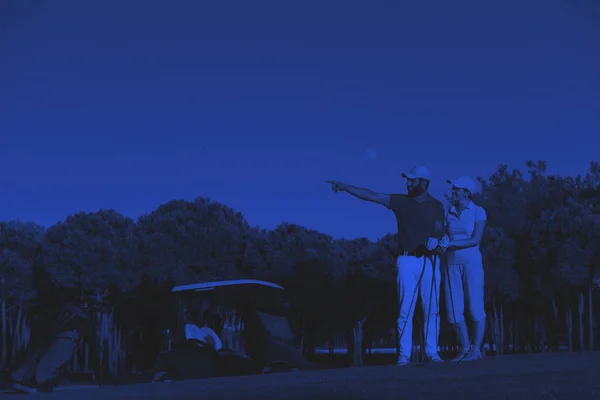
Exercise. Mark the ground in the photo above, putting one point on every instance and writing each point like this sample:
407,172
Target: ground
531,377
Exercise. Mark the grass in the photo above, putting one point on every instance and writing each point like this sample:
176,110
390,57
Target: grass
530,377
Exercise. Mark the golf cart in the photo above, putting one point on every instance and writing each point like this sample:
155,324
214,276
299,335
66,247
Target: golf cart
242,328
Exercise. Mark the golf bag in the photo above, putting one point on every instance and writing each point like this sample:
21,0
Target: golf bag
44,366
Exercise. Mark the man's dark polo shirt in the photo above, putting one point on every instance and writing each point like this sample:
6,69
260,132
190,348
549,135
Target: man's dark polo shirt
417,221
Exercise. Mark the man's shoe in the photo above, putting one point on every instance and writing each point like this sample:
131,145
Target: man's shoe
434,357
402,361
472,355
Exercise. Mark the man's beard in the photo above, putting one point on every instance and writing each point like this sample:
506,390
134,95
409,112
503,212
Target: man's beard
416,191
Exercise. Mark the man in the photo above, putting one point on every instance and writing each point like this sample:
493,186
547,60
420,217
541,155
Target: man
205,334
420,220
464,277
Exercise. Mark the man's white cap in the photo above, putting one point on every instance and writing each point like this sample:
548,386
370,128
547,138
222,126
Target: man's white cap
464,182
417,172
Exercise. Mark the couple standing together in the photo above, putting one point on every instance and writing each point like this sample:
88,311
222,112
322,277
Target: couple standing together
426,232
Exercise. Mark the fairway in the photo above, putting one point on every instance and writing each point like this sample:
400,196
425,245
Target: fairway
539,376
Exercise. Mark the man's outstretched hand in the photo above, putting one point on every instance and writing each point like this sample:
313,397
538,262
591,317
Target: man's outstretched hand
336,186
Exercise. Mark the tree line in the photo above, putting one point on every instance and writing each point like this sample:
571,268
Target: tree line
541,250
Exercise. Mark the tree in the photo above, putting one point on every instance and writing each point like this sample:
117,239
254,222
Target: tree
501,278
187,242
19,249
93,252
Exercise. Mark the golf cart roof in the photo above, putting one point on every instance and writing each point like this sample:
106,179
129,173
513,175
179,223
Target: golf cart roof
212,285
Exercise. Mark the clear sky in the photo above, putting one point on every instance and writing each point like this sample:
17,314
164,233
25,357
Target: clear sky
129,104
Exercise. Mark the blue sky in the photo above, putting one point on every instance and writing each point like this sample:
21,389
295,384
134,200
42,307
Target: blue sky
129,104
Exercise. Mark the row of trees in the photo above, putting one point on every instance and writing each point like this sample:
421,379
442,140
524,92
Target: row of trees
540,251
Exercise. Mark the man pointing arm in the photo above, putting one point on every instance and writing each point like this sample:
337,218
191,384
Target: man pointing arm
419,218
363,194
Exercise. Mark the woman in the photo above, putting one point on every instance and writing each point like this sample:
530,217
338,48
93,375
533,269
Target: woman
463,280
